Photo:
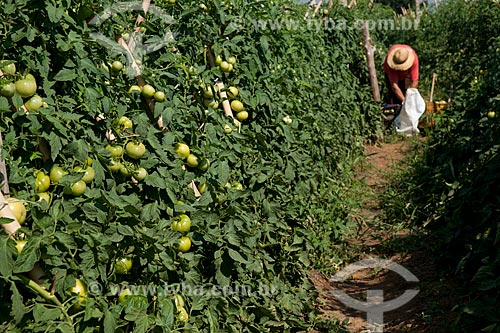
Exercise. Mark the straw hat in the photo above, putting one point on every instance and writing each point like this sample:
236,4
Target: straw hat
400,58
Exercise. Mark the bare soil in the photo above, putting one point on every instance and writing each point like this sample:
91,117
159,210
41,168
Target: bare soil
431,309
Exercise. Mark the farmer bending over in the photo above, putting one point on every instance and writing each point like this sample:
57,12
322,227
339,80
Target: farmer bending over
401,72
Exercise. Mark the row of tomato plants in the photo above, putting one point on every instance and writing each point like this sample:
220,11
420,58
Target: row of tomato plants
148,181
452,189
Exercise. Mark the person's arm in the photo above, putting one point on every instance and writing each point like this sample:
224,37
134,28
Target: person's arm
414,84
397,91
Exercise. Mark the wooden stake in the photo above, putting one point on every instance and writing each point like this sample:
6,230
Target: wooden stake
369,49
311,5
432,86
318,5
3,171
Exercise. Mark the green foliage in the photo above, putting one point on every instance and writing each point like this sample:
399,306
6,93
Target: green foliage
453,188
261,234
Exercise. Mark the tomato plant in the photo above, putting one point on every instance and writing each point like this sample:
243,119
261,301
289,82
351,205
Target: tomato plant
290,173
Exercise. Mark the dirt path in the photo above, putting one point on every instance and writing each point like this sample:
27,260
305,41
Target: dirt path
430,310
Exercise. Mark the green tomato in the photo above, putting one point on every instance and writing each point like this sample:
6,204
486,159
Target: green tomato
8,89
135,150
34,103
225,66
114,165
78,188
26,87
204,164
231,60
20,244
44,196
140,174
202,188
242,115
88,173
81,291
115,150
182,150
124,170
182,315
42,182
232,92
159,96
237,106
192,160
18,209
123,265
180,203
117,66
218,60
124,294
148,91
184,244
125,122
56,173
9,69
183,224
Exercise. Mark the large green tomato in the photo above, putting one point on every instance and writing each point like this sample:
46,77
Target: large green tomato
148,91
34,103
135,150
78,188
183,224
242,115
26,87
56,173
117,66
123,265
18,209
192,160
88,173
237,106
184,244
115,150
182,150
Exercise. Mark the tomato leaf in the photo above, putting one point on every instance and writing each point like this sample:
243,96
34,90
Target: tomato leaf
18,308
6,252
165,317
29,256
43,313
110,323
236,256
65,75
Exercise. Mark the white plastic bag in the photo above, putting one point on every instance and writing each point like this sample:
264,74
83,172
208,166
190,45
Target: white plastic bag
411,111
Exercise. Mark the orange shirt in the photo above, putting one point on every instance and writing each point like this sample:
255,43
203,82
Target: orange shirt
411,73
